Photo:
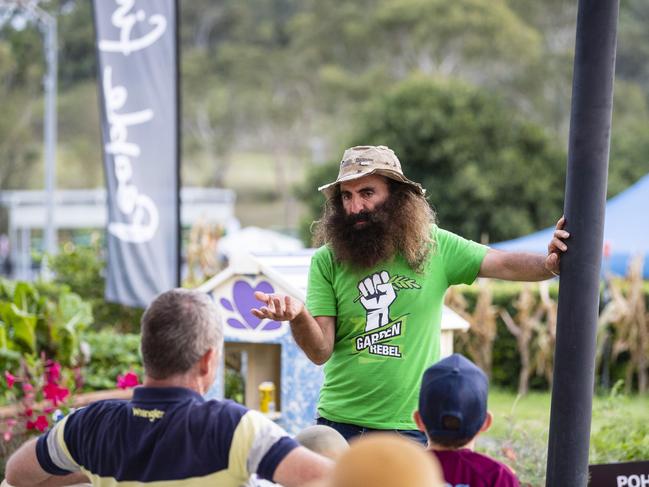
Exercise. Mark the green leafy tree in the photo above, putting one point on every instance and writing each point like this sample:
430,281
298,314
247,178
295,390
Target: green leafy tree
487,172
19,86
77,50
629,158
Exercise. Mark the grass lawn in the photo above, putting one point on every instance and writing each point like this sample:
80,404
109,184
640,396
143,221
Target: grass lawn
532,412
519,434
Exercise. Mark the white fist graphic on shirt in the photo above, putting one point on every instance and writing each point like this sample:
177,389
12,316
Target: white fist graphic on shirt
376,296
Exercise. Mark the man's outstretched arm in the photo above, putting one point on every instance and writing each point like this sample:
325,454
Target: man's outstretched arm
24,470
301,466
519,266
315,336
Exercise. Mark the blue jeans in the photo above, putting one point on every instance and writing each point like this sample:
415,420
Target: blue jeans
350,431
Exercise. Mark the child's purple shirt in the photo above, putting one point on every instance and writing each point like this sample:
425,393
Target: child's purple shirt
466,468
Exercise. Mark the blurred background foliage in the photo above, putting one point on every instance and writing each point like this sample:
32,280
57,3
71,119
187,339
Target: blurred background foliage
474,95
466,92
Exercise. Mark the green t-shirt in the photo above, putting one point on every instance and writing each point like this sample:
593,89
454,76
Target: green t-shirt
387,329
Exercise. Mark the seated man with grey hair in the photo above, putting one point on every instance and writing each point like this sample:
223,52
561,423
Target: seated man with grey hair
168,432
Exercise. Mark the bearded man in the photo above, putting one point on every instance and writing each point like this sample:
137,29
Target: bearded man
376,289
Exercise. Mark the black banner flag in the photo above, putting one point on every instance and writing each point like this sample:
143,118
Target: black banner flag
138,84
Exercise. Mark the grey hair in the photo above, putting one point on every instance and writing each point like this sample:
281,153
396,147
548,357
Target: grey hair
178,327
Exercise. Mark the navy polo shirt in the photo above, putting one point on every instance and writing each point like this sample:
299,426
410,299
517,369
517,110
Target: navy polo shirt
167,435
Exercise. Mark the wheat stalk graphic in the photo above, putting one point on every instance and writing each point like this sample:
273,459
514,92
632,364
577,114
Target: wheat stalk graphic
399,283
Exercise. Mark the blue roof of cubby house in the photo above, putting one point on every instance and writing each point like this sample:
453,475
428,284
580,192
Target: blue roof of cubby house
281,272
626,231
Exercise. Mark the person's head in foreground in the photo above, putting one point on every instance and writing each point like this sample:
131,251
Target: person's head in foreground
453,403
323,440
384,460
373,211
168,432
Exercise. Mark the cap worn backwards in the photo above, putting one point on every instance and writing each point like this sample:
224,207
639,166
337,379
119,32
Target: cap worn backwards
453,398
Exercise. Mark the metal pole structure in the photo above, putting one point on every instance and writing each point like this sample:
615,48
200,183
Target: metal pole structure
588,151
179,185
51,56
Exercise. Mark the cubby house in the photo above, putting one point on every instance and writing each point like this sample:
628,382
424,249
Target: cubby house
258,351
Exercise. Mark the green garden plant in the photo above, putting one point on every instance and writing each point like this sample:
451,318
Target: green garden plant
111,354
81,268
35,324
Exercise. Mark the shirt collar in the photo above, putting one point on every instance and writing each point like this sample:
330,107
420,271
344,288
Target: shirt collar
164,394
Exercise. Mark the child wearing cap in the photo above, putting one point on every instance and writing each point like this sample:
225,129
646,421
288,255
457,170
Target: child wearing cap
452,412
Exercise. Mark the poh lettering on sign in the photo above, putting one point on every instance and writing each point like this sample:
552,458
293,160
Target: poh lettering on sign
140,208
636,480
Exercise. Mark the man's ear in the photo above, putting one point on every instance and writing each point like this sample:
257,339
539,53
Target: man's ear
487,422
205,362
420,422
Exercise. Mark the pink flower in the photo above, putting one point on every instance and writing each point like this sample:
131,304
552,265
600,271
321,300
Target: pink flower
41,423
7,435
29,412
27,387
10,379
11,422
127,380
53,372
30,425
55,393
49,409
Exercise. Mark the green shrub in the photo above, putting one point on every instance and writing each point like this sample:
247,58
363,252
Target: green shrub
523,450
111,354
621,437
34,323
82,269
234,385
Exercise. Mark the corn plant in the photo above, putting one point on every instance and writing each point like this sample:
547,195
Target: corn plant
478,341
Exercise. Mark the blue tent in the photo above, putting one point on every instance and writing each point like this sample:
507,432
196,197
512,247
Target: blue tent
626,231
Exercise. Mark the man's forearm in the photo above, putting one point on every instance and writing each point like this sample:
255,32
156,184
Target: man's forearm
526,267
23,470
515,266
311,338
59,481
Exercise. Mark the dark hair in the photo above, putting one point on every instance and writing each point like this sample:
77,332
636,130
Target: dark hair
450,423
410,227
178,327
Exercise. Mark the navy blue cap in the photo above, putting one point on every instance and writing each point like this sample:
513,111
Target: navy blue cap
453,398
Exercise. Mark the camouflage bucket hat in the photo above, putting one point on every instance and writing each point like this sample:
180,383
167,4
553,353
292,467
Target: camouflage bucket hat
364,160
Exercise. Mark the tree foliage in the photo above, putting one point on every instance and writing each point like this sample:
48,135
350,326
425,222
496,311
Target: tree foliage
486,171
285,77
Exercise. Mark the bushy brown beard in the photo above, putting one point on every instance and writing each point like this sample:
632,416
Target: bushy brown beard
402,224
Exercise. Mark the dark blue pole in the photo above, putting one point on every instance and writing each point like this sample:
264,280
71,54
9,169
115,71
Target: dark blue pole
588,151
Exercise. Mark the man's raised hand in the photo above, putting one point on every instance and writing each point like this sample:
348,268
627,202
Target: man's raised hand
556,247
277,307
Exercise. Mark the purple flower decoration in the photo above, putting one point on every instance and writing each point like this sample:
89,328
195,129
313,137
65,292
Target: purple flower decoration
243,296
